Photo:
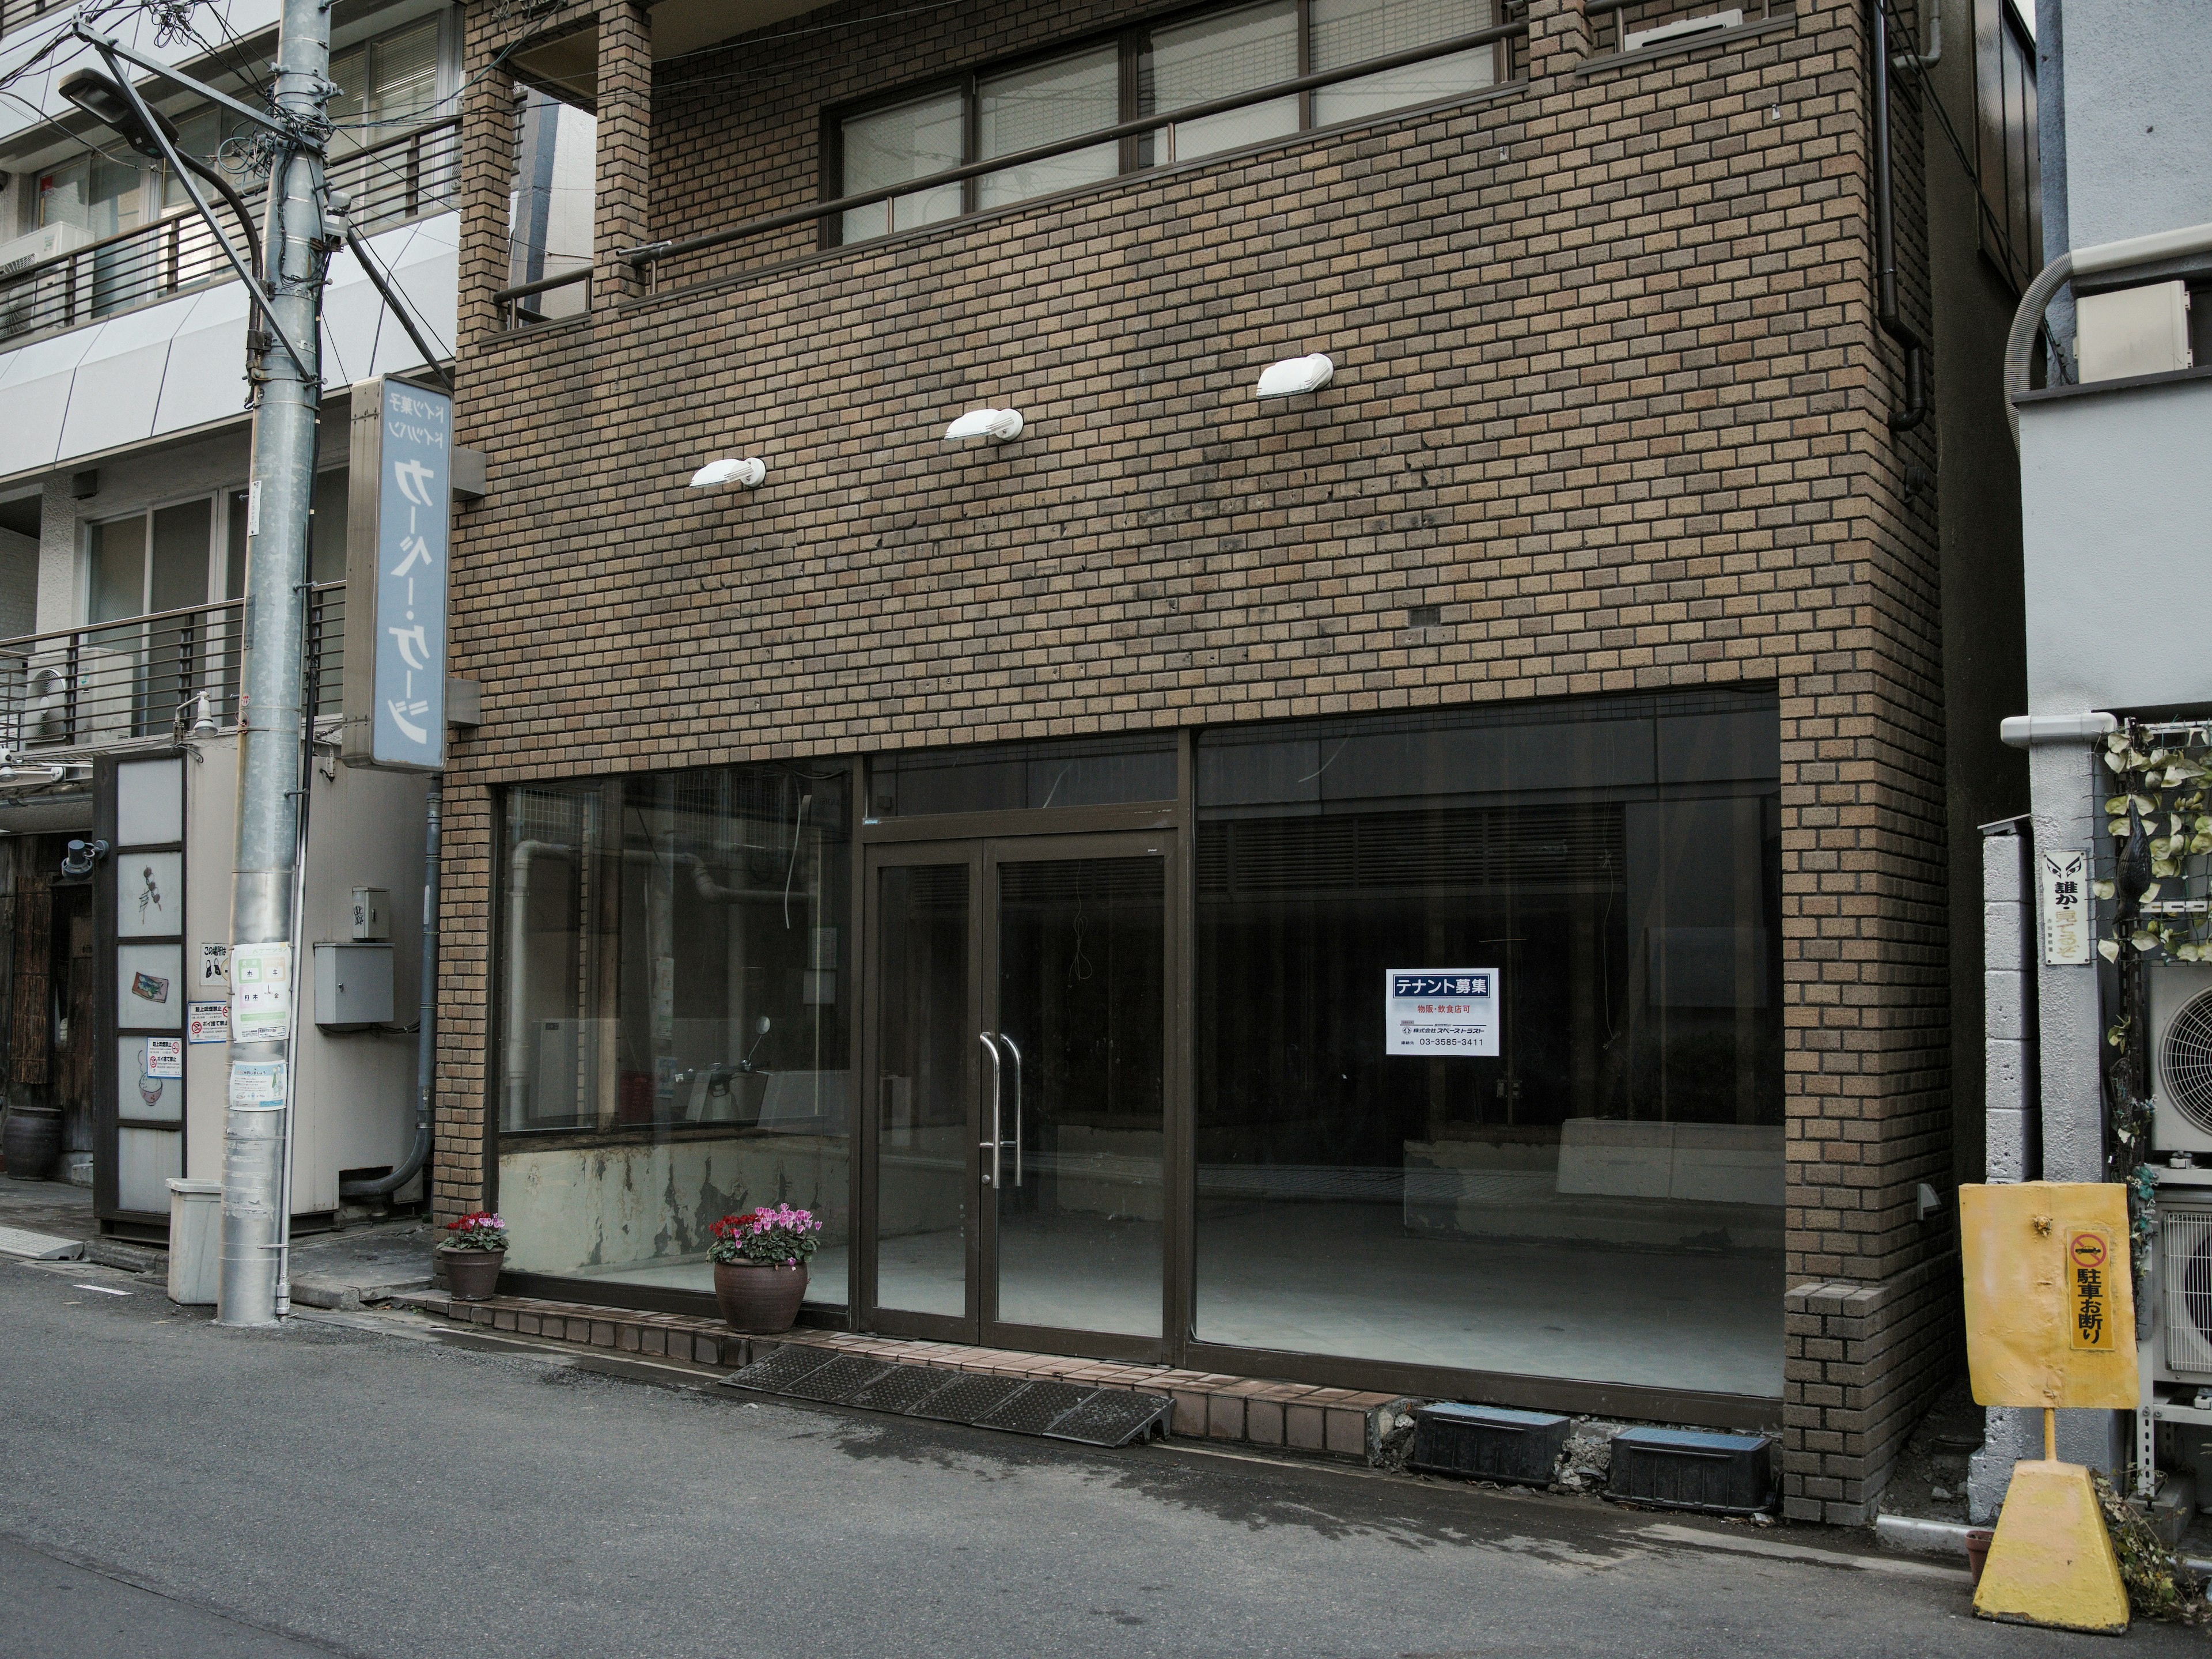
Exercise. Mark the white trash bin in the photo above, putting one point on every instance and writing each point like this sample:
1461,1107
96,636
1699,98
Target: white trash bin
195,1242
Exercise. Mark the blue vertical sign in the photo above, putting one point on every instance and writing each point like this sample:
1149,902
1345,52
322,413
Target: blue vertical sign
414,516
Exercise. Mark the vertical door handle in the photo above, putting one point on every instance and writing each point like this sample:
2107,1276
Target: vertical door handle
1017,1054
993,1144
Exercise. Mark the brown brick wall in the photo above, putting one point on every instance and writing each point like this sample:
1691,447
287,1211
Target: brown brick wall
1609,393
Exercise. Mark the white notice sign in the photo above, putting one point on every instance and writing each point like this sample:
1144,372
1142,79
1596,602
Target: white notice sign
1440,1011
256,1083
165,1057
215,963
2066,919
260,993
207,1022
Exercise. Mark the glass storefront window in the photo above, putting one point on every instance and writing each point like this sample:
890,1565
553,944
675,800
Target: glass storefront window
675,1011
1015,776
1601,1196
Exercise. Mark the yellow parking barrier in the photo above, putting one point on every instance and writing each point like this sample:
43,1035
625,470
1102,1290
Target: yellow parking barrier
2050,1310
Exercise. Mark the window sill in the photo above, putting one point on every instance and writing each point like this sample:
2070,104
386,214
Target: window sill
1688,43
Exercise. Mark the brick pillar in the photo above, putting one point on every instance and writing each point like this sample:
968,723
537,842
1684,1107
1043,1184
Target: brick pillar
487,176
465,1091
1558,38
622,202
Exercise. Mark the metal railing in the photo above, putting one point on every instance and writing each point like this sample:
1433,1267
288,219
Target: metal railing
392,181
145,677
651,256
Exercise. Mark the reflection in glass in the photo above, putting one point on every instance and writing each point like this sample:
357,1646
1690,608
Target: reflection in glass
1005,777
673,1003
926,1051
1038,105
1081,1006
1218,55
1348,32
1603,1198
888,146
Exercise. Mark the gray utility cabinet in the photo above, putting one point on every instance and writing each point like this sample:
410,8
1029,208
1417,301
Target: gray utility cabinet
353,984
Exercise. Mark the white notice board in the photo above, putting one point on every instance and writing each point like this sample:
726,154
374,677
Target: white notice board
1440,1011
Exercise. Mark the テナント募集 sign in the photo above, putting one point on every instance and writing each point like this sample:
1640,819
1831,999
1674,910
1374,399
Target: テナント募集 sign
396,522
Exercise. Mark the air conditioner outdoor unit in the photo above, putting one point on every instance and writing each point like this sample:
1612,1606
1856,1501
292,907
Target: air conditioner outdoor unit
18,300
2184,1248
2181,1056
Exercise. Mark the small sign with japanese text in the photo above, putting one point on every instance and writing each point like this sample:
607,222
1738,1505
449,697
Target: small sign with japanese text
2066,909
1440,1011
2088,1289
260,993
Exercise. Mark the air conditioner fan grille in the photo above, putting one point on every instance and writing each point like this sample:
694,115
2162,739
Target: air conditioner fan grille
2185,1061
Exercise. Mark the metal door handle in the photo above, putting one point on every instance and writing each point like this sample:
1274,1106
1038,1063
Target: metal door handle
993,1144
1017,1054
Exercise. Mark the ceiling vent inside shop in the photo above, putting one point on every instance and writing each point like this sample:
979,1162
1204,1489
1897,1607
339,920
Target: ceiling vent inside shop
1581,845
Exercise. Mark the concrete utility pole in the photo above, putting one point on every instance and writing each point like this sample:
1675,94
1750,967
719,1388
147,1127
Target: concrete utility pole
272,804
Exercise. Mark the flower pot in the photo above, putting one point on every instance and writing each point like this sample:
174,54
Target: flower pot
760,1297
473,1274
32,1141
1977,1550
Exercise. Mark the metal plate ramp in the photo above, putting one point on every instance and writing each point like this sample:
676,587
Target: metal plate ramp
1057,1411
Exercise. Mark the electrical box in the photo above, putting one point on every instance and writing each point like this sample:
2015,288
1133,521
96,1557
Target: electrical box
372,913
1489,1442
2133,330
353,984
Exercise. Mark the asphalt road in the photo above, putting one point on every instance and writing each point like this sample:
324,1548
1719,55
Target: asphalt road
170,1488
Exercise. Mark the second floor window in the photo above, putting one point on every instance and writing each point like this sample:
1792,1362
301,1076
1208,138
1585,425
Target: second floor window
385,85
1152,70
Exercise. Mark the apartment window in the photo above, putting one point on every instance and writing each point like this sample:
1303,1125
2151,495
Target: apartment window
2005,140
162,560
1152,70
385,85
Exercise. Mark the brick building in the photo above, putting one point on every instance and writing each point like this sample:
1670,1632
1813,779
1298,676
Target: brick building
1026,821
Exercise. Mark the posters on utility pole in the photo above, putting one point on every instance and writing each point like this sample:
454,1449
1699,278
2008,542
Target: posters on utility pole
1440,1011
260,993
399,530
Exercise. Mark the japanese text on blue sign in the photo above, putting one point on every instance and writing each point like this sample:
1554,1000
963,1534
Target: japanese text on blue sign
413,515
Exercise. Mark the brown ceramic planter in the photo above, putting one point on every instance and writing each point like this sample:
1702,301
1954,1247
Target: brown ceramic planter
473,1274
757,1298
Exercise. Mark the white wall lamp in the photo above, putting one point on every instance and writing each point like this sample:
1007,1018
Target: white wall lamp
1294,376
716,475
998,425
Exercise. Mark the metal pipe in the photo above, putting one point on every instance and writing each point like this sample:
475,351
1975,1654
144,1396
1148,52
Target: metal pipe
1885,240
1934,55
271,714
426,1016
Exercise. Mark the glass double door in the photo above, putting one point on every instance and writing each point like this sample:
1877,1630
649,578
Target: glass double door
1017,1062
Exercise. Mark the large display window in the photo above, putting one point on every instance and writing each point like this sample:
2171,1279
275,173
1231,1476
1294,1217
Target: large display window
1488,1058
674,1017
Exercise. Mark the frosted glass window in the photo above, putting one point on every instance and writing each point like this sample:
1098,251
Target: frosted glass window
1040,105
149,803
150,986
138,1092
1218,57
1347,32
149,895
145,1159
888,146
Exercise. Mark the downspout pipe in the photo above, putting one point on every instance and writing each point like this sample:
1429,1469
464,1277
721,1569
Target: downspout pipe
1934,55
1885,240
426,1040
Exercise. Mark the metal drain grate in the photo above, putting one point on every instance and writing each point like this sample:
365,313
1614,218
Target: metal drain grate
1057,1411
1111,1417
903,1389
777,1373
839,1380
1034,1409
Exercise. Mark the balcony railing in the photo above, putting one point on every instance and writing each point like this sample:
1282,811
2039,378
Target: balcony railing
145,677
517,312
396,179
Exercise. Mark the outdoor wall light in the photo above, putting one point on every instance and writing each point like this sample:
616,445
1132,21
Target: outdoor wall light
998,425
745,474
1294,375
